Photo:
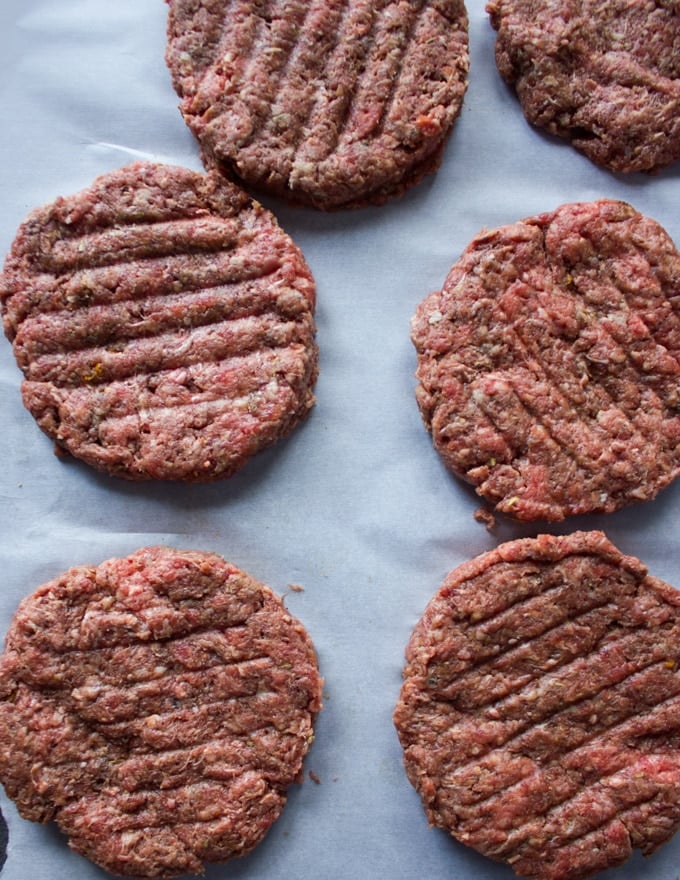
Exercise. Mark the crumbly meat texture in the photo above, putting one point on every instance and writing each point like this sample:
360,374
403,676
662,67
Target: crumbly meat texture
606,76
540,709
549,363
164,323
322,102
157,707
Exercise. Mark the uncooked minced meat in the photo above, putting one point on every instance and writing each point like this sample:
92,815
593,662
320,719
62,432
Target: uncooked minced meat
331,103
604,75
164,323
157,707
549,363
540,710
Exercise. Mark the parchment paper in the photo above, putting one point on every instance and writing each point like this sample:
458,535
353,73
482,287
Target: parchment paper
355,507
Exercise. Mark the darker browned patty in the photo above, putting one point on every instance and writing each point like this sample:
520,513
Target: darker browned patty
549,363
540,710
606,76
324,102
164,323
157,707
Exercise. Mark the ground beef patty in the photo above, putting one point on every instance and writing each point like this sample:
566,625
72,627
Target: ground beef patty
549,363
157,707
540,710
164,323
604,75
330,103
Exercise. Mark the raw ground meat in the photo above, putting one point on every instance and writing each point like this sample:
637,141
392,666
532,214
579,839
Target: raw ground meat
157,707
327,103
164,323
540,710
549,363
606,76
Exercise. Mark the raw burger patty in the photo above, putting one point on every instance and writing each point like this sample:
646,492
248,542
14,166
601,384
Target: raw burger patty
157,707
549,362
164,324
324,102
604,75
540,710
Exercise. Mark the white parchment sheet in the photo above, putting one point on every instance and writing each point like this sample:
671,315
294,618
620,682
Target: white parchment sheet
355,507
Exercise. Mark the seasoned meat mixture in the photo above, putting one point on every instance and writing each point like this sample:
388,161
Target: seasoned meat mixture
329,103
603,75
164,323
540,710
157,707
549,363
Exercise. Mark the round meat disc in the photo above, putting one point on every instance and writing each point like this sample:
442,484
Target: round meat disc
157,707
329,103
540,709
605,76
164,323
549,363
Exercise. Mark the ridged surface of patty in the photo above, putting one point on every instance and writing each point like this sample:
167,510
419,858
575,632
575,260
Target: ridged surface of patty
157,707
330,103
164,323
604,75
549,363
540,710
